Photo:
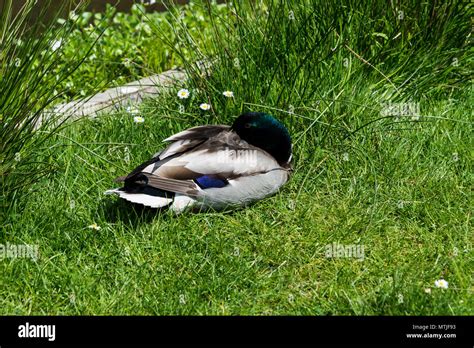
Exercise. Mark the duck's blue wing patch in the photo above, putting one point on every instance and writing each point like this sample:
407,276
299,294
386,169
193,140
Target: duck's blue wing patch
207,181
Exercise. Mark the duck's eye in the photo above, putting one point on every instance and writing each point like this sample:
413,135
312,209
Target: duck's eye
247,125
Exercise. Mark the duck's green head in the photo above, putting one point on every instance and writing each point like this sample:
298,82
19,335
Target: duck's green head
266,132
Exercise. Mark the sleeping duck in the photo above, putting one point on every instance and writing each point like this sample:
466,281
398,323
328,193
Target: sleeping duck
214,167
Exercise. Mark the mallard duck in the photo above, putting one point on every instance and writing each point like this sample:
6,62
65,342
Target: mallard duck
214,167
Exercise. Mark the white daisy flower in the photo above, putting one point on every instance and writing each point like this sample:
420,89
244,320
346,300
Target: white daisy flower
183,93
228,94
204,106
138,119
428,290
94,226
56,44
441,283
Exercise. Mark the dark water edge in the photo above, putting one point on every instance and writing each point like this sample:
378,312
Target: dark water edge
64,6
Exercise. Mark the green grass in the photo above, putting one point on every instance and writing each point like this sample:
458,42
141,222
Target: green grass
124,45
398,186
30,76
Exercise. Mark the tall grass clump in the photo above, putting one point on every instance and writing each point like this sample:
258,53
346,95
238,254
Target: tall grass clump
310,62
126,48
30,50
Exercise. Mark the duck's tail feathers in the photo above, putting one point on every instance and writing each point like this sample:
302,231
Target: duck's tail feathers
142,198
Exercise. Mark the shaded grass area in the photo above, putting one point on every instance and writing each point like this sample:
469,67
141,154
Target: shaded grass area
126,47
397,185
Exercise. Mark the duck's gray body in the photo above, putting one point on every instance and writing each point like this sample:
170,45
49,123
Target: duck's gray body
207,167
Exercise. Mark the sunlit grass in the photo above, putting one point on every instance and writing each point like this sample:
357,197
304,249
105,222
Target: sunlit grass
398,185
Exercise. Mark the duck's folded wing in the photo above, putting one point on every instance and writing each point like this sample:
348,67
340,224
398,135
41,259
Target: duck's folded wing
186,187
214,159
179,143
224,155
190,138
221,161
200,132
210,164
207,167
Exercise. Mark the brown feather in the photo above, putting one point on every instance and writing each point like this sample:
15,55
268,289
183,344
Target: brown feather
120,178
187,187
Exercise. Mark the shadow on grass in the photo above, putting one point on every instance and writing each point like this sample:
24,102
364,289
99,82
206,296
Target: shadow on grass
118,210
